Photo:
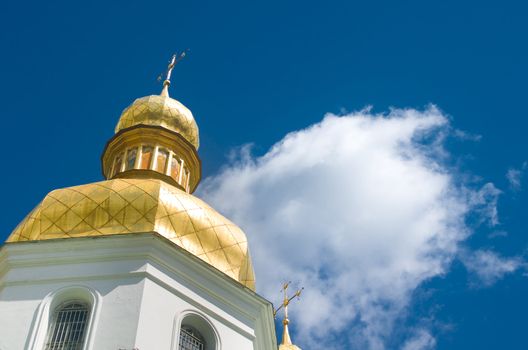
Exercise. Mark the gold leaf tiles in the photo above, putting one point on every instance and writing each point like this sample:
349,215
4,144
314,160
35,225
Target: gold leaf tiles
123,206
161,111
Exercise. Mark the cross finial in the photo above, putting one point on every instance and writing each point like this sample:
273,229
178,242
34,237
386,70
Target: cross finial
286,340
174,60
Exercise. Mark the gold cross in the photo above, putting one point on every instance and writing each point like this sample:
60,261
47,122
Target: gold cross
286,301
174,60
286,340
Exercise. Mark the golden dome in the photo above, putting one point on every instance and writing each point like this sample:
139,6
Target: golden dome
152,165
289,347
128,206
161,110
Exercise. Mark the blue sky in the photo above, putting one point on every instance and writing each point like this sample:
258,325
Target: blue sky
257,71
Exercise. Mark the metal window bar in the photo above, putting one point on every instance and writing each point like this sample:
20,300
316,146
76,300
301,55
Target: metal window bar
68,327
189,340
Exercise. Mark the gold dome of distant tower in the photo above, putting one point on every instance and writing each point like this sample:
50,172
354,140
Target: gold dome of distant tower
286,343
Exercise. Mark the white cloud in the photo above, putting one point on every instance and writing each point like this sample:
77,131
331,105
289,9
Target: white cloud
499,233
488,266
462,135
514,177
422,340
360,210
484,202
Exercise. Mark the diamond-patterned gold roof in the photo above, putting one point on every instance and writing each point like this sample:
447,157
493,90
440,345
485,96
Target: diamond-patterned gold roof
136,206
161,111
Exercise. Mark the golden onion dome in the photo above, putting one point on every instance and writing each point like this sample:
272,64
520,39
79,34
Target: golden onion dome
161,110
128,206
152,166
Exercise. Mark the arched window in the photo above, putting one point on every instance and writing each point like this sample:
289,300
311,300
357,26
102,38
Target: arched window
68,326
195,332
190,339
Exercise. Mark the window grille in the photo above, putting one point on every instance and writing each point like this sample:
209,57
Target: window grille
68,327
190,339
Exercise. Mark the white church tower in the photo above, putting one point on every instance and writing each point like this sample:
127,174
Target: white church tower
135,261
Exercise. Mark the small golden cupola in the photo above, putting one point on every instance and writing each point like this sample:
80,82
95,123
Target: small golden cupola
151,166
156,136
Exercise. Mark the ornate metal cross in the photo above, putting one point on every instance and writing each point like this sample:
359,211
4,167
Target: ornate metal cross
286,300
174,60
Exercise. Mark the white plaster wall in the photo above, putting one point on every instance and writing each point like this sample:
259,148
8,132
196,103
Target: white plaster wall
117,323
18,306
160,319
156,319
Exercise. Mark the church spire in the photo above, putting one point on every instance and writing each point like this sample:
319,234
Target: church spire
166,83
286,343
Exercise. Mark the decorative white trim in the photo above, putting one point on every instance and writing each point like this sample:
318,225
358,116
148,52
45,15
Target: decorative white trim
40,327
